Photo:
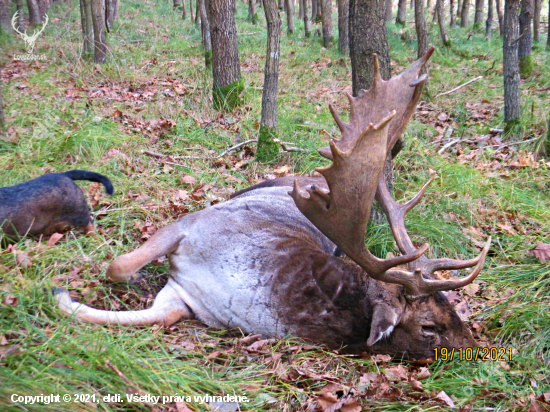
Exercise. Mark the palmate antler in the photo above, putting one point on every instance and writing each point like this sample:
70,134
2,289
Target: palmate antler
356,176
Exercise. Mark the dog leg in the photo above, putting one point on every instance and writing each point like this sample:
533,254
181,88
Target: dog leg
160,244
167,309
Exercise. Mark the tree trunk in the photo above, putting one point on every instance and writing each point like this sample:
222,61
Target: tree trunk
191,14
401,12
252,15
440,10
307,24
512,105
421,32
478,16
428,5
367,35
112,10
20,16
226,66
328,38
315,10
453,15
548,38
2,118
177,4
500,18
526,41
5,18
289,4
205,29
536,20
98,21
34,13
389,4
489,22
343,26
300,10
267,148
458,8
464,14
87,27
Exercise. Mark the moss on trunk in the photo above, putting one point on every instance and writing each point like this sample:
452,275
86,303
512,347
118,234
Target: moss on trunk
228,97
208,59
267,150
526,65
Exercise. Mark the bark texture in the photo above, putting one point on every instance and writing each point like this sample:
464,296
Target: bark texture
307,24
21,26
421,31
368,35
111,10
464,13
401,12
34,12
252,14
536,20
98,20
289,4
526,41
5,20
478,16
226,66
2,118
489,22
512,103
389,4
267,148
87,27
326,18
205,31
453,15
343,26
498,5
440,10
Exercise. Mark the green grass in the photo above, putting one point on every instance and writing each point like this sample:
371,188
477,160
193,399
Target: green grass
63,116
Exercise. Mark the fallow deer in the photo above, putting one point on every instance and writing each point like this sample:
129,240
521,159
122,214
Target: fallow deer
263,261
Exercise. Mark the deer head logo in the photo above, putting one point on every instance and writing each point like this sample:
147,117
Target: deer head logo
30,40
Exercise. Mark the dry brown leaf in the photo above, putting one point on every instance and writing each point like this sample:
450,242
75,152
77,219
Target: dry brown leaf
54,239
188,180
397,373
11,300
445,398
507,227
181,194
417,385
22,259
256,346
541,252
423,373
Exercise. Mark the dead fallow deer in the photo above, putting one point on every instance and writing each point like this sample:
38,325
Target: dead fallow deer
263,261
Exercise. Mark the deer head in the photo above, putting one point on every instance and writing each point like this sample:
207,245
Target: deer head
30,40
377,118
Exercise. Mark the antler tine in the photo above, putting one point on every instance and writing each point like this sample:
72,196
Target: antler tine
341,125
14,22
376,78
342,213
395,213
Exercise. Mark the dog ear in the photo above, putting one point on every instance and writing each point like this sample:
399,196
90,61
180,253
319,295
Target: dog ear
384,319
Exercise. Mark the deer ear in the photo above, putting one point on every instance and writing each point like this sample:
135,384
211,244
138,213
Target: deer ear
384,319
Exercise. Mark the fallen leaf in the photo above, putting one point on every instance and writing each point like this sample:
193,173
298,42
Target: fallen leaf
22,259
188,180
445,398
417,385
54,239
541,252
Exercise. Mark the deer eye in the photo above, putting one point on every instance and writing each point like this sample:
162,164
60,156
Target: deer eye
428,330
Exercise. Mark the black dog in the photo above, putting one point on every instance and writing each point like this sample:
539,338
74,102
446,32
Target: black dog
48,204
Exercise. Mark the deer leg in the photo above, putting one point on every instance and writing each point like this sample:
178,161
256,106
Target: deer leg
161,243
167,308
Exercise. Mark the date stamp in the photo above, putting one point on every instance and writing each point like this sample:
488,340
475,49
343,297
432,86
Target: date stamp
473,354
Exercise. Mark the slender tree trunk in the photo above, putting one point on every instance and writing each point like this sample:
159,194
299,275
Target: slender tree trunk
421,32
401,12
112,10
267,148
98,21
343,26
368,35
458,8
252,15
177,4
478,16
526,41
328,38
300,10
205,29
307,24
389,4
453,15
512,104
489,22
289,4
34,13
428,5
500,18
315,10
465,13
5,21
87,27
536,20
20,16
440,10
226,66
2,118
191,14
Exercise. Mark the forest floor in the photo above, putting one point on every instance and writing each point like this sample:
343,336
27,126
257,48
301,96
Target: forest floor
145,120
